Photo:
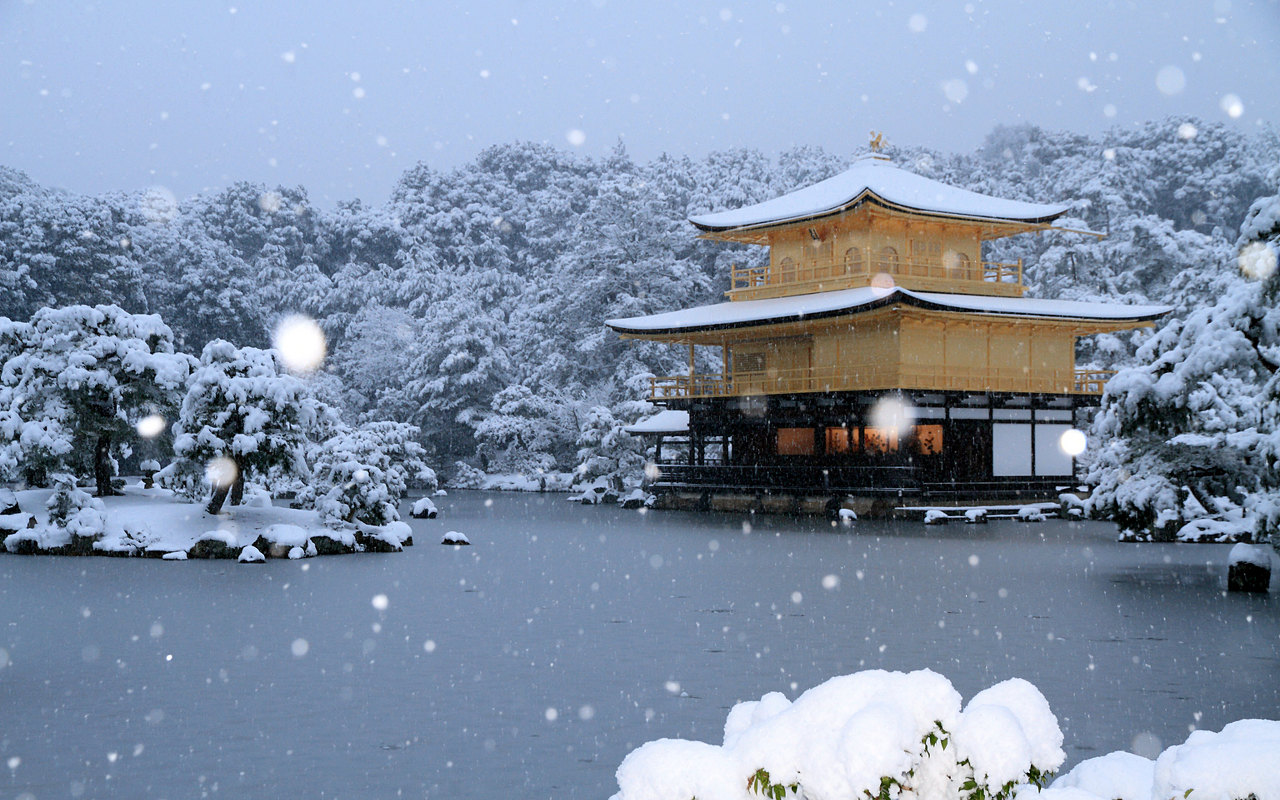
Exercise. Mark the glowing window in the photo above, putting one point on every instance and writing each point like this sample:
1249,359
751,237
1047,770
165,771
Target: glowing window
842,440
881,440
795,441
928,439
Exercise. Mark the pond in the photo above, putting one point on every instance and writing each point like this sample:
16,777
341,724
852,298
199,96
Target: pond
531,663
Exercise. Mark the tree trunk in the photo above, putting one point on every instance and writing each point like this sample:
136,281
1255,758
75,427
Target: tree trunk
102,466
237,488
219,497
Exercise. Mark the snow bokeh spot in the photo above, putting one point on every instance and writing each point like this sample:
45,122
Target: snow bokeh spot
380,602
831,582
1170,80
270,202
1232,105
892,413
1187,131
576,137
1146,744
551,715
1257,261
221,472
300,342
151,426
300,647
956,90
882,283
1072,442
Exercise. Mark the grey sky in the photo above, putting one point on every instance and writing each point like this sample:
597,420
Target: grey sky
343,97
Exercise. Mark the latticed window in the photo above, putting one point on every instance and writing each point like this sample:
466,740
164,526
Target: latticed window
887,261
853,261
748,362
788,269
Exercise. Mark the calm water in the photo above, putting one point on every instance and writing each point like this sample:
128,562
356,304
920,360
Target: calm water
529,664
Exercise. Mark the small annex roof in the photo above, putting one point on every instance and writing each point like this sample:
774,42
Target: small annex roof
795,308
877,180
662,423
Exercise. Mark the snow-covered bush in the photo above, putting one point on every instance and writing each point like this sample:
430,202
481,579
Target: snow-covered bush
243,415
74,383
521,433
357,478
874,735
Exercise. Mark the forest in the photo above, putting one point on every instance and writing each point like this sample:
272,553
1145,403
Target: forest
470,303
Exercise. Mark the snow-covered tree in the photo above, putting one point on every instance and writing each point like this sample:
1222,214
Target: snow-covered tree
243,417
522,431
75,383
1191,431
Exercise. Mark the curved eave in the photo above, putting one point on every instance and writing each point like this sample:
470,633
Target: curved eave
963,304
869,196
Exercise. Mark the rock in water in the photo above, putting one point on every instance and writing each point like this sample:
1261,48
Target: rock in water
251,555
455,537
424,509
1249,569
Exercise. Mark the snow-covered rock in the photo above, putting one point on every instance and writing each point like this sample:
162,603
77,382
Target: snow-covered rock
847,516
251,555
8,502
935,516
176,555
1030,514
455,537
637,498
423,508
1248,568
975,516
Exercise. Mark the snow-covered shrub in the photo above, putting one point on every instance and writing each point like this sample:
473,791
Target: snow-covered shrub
74,510
243,415
606,450
874,735
75,381
466,476
1237,763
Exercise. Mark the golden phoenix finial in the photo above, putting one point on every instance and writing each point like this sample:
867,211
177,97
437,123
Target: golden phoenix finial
877,141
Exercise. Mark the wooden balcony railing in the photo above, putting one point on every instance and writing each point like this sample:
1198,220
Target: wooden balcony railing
878,378
987,277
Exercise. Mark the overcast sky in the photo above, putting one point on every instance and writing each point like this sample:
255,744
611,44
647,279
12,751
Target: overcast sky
343,97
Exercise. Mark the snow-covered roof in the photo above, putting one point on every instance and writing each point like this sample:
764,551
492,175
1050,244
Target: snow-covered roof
745,313
662,422
878,180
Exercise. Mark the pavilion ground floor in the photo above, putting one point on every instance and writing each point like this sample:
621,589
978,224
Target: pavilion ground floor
819,450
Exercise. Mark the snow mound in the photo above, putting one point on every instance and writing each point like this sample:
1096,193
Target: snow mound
1030,514
176,555
251,555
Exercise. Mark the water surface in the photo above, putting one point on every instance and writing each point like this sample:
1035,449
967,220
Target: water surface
529,664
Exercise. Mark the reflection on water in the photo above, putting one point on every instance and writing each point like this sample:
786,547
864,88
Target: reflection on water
531,662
